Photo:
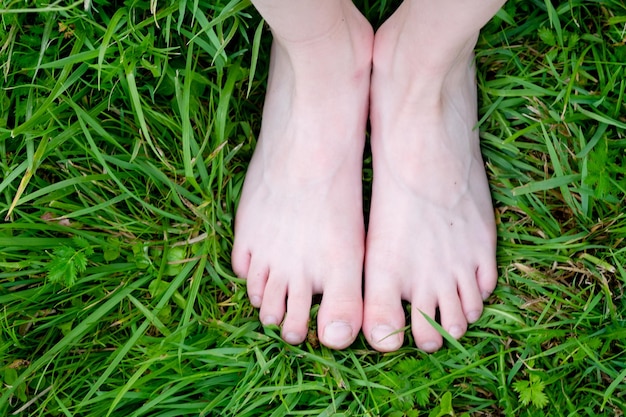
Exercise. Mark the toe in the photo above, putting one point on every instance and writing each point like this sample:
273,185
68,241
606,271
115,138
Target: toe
295,325
240,260
451,313
471,299
487,276
383,318
341,313
426,336
273,305
256,280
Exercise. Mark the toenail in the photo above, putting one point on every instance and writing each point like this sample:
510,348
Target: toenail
268,320
292,338
337,333
456,331
486,294
385,337
255,300
472,316
430,346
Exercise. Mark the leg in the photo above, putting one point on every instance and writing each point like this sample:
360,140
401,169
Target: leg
299,227
431,238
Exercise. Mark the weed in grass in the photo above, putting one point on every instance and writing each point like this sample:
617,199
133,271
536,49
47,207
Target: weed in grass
69,261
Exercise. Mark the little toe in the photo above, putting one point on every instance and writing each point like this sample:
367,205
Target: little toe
256,280
487,276
295,325
240,260
340,315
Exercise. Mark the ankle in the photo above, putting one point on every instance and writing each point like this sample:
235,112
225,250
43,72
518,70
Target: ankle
338,60
407,45
345,24
425,78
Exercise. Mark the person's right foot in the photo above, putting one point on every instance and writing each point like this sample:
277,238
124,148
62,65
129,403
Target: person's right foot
299,226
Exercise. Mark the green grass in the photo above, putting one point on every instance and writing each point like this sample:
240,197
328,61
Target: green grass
125,131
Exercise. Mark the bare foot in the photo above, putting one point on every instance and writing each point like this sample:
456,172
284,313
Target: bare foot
431,238
299,226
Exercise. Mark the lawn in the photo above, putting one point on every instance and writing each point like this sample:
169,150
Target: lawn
125,132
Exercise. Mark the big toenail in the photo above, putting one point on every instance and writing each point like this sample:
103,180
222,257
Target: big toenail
337,333
430,346
456,331
292,338
472,316
255,300
384,337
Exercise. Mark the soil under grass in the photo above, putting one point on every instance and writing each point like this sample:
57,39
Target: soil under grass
125,131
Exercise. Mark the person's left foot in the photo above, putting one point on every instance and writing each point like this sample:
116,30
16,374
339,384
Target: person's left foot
431,237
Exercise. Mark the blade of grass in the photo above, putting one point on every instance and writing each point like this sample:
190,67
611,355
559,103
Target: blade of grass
79,331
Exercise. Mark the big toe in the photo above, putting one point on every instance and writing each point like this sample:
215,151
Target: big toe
340,315
383,320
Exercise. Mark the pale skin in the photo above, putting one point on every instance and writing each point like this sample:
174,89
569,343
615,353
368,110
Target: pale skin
299,227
